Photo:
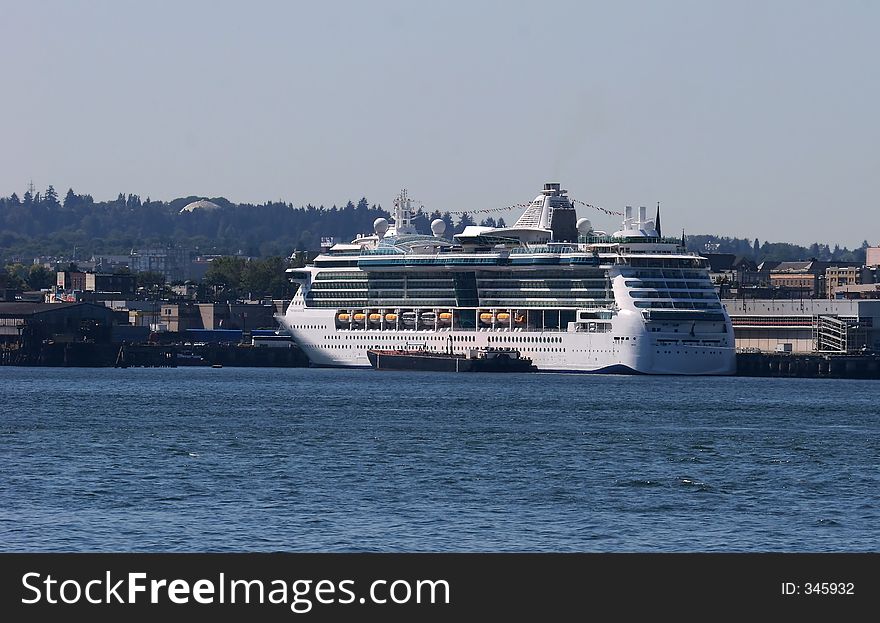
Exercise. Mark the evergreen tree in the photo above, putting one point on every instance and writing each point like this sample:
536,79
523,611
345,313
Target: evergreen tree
464,221
450,224
70,200
421,223
50,199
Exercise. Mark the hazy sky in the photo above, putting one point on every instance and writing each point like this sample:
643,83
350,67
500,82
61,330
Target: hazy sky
750,119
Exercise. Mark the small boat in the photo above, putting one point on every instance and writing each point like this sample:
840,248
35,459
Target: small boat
503,316
428,317
190,358
476,360
487,318
408,318
343,317
390,317
445,317
375,318
359,317
217,365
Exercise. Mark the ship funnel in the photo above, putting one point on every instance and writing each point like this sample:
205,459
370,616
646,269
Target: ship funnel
627,219
643,216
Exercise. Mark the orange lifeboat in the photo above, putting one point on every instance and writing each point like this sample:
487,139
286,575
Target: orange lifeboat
503,316
390,317
376,318
343,317
445,317
359,317
486,318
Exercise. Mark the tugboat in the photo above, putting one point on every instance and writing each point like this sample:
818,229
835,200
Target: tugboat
475,360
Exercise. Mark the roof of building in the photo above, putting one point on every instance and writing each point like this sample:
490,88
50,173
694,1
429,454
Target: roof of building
201,204
859,287
793,267
742,260
20,308
720,261
767,265
811,266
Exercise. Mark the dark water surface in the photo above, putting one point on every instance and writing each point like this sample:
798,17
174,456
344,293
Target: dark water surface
247,459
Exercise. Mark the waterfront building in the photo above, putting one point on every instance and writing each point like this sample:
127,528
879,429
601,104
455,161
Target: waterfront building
805,325
838,277
862,291
799,279
70,280
177,317
805,279
117,283
730,272
110,263
172,263
54,319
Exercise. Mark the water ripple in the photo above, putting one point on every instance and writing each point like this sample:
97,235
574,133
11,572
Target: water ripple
190,461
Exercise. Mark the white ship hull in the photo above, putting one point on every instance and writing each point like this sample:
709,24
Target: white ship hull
627,352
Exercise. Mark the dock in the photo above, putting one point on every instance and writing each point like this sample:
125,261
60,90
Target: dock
812,365
96,355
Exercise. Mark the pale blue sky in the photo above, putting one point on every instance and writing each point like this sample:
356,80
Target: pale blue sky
743,118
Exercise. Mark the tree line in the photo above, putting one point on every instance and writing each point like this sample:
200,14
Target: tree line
774,251
42,223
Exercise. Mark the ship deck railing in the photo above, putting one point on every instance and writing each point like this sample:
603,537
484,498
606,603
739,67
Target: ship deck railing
458,329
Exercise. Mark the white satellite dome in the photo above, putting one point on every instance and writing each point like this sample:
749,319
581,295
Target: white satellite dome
201,204
438,226
380,226
584,226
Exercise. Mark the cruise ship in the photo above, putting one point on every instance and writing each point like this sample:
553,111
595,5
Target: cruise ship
571,298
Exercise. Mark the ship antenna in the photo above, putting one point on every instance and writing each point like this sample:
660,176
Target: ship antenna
657,221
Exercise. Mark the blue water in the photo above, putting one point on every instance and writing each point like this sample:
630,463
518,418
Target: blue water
247,459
